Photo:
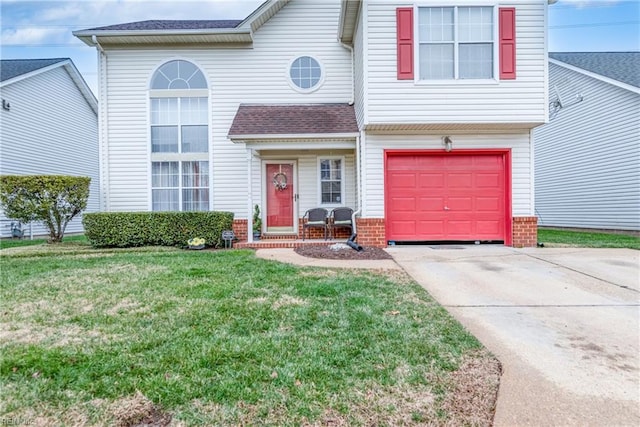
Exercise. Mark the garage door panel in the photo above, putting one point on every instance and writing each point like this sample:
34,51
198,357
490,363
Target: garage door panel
493,162
407,204
489,180
460,204
431,204
404,228
458,162
459,229
489,204
430,162
489,228
430,227
471,187
402,180
431,180
457,180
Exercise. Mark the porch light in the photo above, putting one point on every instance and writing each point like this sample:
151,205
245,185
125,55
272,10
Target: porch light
448,143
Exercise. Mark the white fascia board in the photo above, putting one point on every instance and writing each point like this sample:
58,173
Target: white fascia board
596,76
262,14
87,36
290,136
82,85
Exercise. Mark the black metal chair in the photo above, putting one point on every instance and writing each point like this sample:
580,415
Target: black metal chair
341,218
317,218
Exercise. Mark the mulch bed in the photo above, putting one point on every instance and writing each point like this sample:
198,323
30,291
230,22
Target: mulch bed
321,251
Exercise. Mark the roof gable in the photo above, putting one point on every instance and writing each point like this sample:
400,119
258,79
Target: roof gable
182,31
15,70
12,68
620,66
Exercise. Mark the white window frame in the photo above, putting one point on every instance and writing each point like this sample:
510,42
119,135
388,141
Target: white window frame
298,88
179,156
342,181
456,80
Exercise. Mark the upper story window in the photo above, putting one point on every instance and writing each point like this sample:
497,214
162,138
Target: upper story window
179,135
178,74
305,73
456,43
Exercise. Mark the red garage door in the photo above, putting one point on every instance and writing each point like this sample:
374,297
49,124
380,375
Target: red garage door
446,196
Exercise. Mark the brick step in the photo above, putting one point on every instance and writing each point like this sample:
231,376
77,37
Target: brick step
281,243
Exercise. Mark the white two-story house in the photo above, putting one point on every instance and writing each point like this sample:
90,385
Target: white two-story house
418,115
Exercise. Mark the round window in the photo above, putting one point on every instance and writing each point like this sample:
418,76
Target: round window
305,73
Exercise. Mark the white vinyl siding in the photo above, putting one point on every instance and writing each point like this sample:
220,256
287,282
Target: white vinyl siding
588,157
50,130
518,142
247,74
507,101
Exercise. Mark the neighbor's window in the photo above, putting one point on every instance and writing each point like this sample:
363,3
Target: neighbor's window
179,138
305,73
331,175
456,43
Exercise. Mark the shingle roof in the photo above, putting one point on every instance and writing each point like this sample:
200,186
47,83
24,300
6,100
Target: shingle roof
10,68
170,25
294,119
621,66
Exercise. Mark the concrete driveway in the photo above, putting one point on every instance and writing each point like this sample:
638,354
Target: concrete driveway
565,323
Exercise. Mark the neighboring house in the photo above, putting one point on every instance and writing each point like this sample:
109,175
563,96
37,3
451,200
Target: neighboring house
587,172
48,126
350,101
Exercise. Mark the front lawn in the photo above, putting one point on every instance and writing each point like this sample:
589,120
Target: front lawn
14,243
104,337
586,239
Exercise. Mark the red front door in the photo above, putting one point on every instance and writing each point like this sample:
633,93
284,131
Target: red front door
279,190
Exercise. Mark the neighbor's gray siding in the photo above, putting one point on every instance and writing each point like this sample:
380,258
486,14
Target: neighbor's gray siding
587,167
50,130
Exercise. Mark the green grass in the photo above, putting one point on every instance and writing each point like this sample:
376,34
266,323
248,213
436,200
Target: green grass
14,243
218,338
587,239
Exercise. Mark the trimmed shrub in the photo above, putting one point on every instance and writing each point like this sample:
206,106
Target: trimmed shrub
52,199
130,229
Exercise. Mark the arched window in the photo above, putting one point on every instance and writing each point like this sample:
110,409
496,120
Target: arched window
178,74
179,138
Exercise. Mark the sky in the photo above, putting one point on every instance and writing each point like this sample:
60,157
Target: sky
42,28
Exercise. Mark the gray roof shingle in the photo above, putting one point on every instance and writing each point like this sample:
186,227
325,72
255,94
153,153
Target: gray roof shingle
10,68
294,119
170,25
621,66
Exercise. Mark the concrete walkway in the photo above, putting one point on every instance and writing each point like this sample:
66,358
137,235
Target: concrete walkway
565,323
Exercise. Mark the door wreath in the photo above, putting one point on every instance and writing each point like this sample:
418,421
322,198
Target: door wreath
280,181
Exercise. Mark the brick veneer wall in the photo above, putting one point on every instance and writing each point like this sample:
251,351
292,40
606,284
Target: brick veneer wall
240,229
525,231
371,232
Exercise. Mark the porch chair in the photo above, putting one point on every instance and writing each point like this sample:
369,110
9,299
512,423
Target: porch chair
317,218
341,218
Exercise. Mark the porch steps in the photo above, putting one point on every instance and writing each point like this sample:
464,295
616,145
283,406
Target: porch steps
283,243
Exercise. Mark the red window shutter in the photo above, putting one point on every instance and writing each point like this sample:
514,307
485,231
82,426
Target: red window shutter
404,22
507,19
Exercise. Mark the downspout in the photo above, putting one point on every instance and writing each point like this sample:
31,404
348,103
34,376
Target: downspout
353,73
103,131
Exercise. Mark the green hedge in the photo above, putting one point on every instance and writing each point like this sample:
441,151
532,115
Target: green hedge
129,229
